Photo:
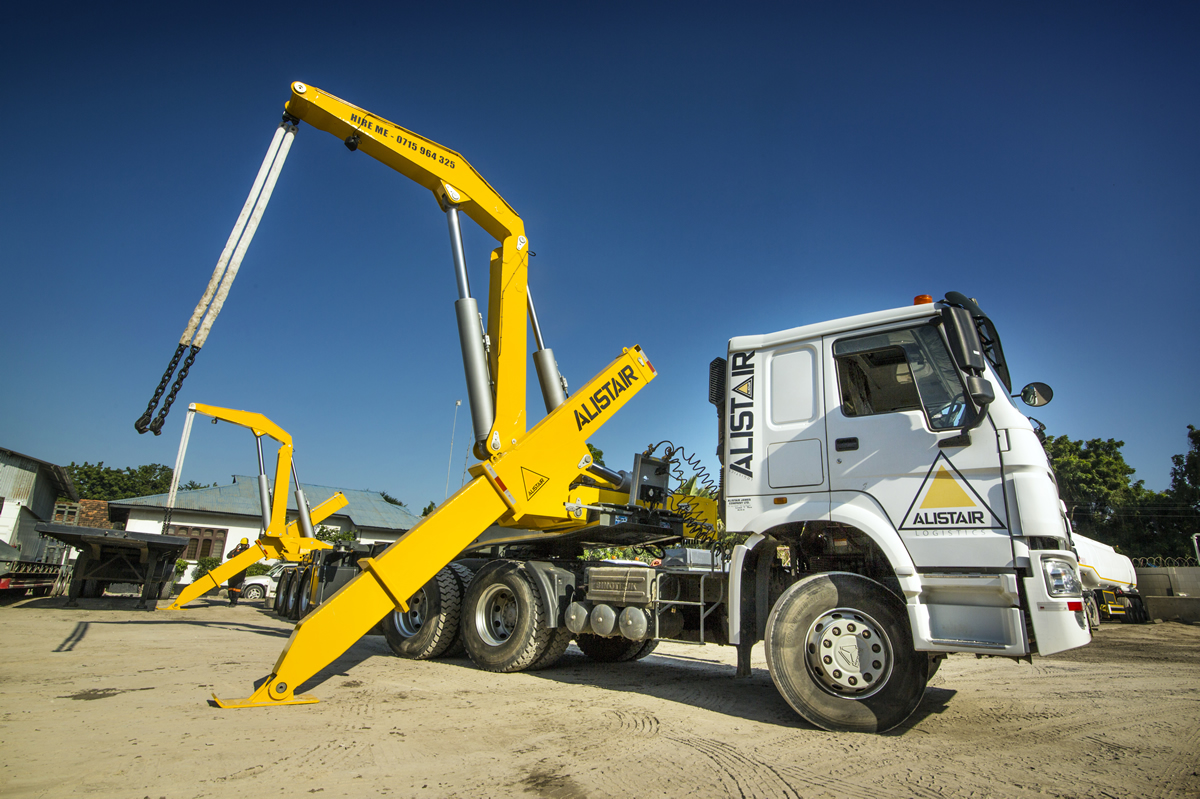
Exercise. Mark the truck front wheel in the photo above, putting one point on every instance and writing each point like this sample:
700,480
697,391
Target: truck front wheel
839,649
430,625
503,629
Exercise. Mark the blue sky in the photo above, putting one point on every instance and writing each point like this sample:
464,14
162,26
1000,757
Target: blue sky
686,173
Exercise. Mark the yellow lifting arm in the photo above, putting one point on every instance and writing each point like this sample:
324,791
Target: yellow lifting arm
555,451
280,539
455,183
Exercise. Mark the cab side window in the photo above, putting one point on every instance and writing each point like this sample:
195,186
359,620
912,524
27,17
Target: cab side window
900,370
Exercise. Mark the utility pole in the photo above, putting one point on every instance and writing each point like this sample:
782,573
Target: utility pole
450,463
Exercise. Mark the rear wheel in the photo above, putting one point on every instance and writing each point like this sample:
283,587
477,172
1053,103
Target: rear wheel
281,592
1092,610
503,627
839,649
304,604
556,647
617,649
299,579
464,576
254,592
430,625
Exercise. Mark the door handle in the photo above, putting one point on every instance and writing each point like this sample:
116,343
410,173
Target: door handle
845,444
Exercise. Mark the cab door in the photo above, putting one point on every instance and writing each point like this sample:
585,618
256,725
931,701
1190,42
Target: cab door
896,414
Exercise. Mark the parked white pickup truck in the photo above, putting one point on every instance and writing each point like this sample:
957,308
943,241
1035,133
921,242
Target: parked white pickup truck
263,585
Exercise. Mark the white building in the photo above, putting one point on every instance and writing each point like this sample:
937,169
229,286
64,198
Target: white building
216,519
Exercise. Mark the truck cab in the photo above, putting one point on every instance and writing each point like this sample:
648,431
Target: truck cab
883,455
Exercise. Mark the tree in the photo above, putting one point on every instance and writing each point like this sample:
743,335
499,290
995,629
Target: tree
388,498
332,535
192,485
1102,503
428,509
101,482
597,454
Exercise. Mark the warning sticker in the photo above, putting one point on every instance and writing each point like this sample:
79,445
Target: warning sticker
533,482
746,388
946,501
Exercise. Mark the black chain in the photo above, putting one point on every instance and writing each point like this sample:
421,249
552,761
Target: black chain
167,520
143,422
157,425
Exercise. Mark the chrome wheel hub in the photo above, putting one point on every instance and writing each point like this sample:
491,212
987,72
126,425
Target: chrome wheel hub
409,624
847,654
496,614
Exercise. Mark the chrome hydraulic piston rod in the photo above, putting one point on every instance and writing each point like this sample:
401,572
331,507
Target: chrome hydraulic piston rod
264,487
554,389
475,365
306,525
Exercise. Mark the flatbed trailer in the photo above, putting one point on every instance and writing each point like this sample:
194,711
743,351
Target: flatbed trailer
117,556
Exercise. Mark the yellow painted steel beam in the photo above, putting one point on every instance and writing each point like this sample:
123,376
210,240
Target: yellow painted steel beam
554,451
290,546
453,181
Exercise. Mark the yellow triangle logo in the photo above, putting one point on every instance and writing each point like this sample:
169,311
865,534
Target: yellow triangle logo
746,388
945,492
533,482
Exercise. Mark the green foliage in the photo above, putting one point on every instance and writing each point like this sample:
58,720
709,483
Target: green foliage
257,569
180,566
331,535
429,509
192,485
101,482
1103,503
388,498
204,566
597,454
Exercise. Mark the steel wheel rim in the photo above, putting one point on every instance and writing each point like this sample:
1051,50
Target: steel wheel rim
496,614
409,624
847,654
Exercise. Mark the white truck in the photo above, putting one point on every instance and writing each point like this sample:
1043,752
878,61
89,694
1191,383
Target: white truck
1109,581
898,507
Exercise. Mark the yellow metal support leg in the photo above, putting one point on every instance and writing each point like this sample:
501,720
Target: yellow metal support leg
340,621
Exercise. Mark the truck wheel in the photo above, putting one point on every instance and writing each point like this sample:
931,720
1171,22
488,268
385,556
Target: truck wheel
617,649
1092,610
647,648
293,597
254,592
502,626
839,649
304,604
464,576
430,626
281,592
556,647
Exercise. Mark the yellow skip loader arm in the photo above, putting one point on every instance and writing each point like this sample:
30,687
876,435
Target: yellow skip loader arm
529,479
280,539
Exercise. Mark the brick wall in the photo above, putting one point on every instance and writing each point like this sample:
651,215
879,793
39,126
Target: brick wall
94,513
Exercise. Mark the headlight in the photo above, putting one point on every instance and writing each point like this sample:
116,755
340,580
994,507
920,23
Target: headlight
1061,578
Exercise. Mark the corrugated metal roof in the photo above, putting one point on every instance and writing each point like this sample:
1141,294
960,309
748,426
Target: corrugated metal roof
367,510
57,474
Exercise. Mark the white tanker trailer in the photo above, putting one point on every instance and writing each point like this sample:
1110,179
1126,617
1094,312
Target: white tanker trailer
1109,583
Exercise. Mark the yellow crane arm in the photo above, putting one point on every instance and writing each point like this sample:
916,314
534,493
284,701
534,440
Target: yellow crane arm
457,186
280,538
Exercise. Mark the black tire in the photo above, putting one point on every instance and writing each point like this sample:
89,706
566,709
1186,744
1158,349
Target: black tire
556,647
647,648
502,627
304,603
1092,611
617,649
254,592
935,663
430,626
281,592
819,638
299,579
464,575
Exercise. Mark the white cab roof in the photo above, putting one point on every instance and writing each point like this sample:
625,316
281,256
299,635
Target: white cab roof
806,332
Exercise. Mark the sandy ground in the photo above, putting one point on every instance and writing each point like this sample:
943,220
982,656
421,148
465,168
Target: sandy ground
106,701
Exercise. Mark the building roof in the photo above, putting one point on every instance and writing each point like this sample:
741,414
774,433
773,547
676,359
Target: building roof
367,509
58,474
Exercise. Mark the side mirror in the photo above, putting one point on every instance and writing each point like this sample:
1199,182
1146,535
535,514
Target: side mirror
981,391
1037,394
963,340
